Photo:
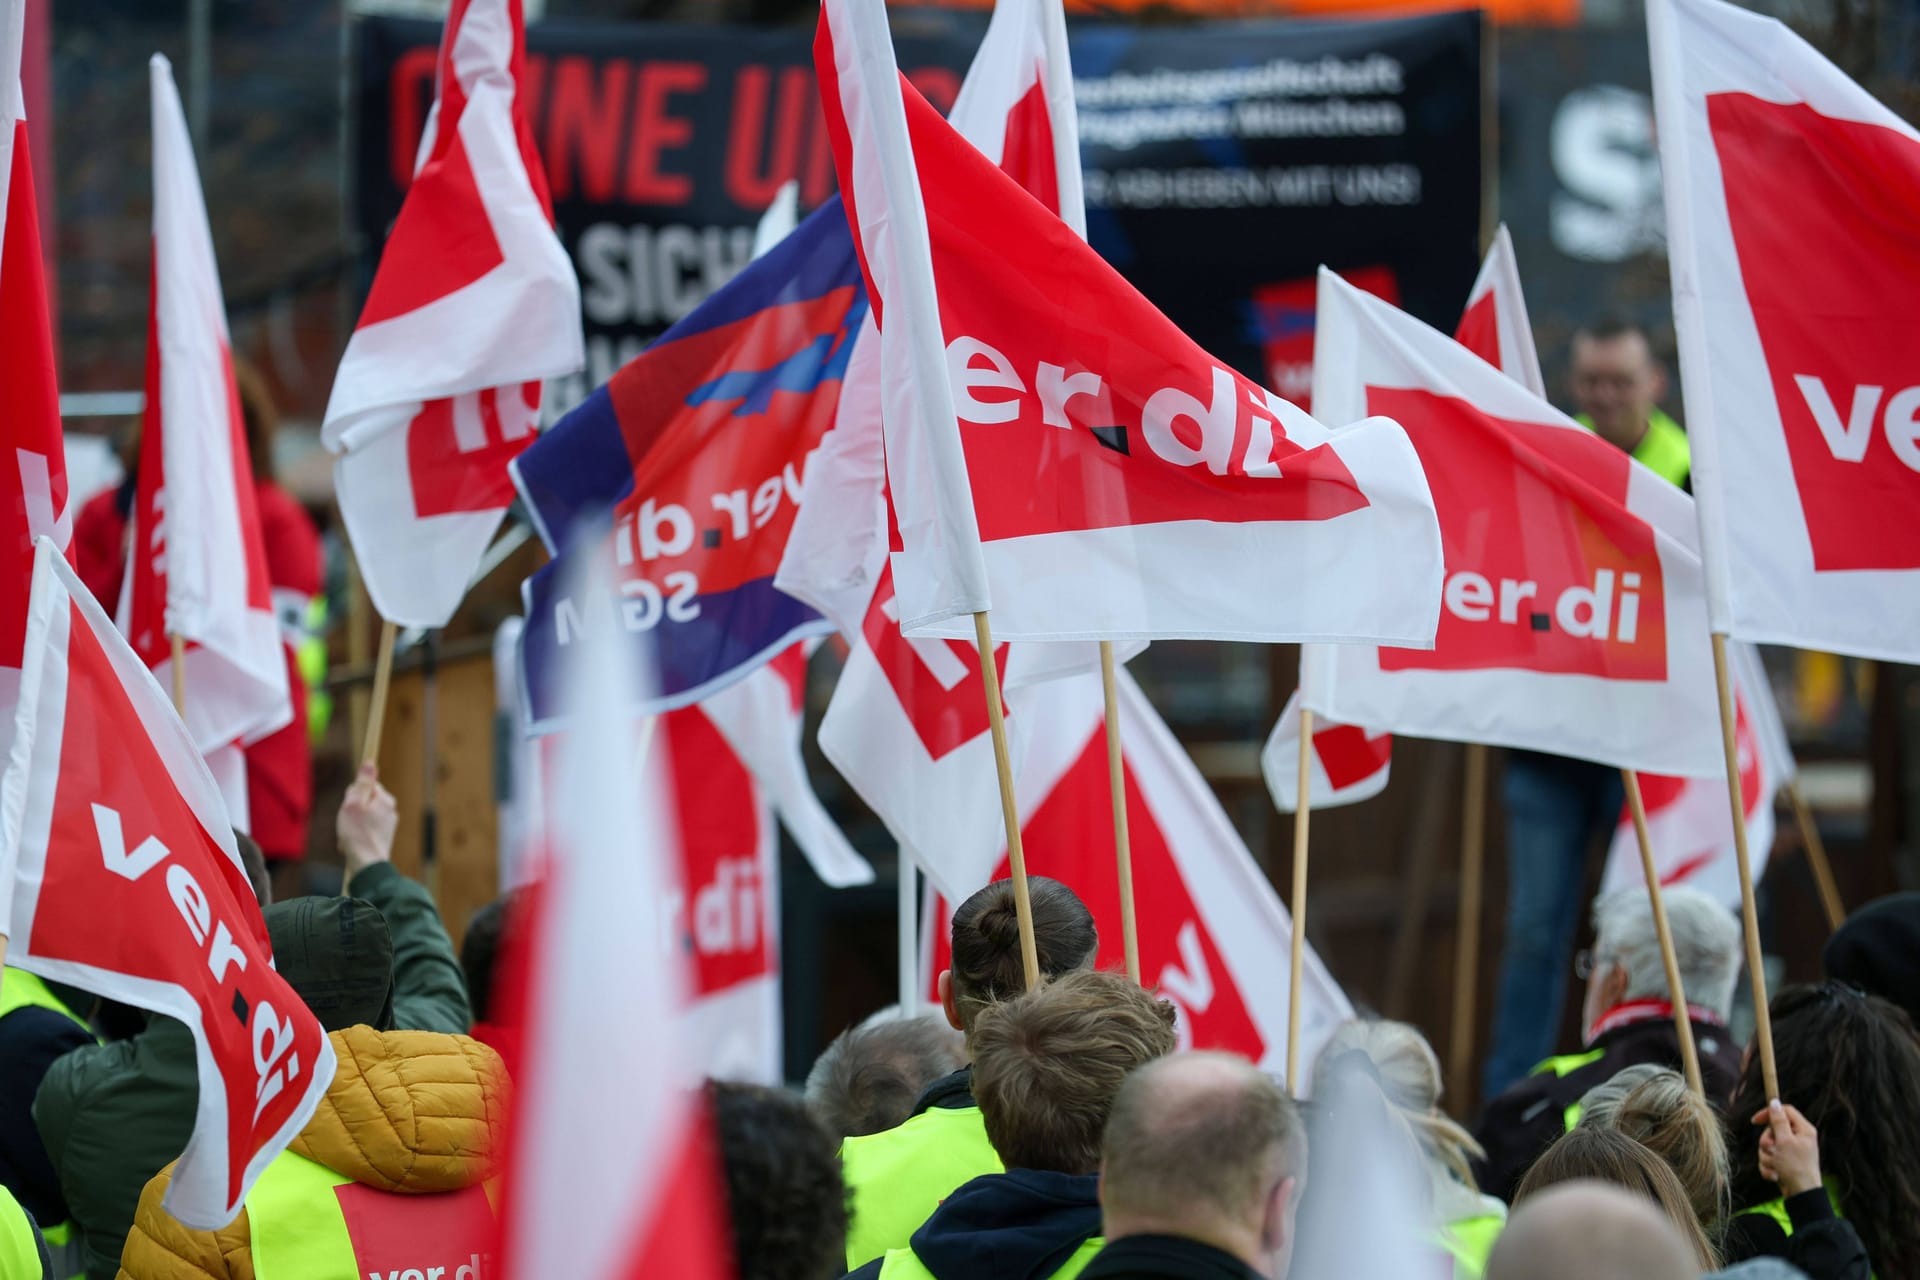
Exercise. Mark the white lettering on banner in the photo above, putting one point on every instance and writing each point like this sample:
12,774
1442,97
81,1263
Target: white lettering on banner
36,492
147,855
1848,440
726,911
468,1270
1190,988
1587,612
1214,422
476,412
157,540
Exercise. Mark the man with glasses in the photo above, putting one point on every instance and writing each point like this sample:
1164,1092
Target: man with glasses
1628,1020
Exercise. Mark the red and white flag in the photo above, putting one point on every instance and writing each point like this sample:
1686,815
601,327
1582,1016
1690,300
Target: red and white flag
1350,764
1793,228
1214,937
34,500
197,568
1688,825
1574,618
108,814
1124,484
1495,326
611,1164
474,303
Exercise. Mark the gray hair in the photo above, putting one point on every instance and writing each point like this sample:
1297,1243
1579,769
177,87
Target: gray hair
1706,943
869,1077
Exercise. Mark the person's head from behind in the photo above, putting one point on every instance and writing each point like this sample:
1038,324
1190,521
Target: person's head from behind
1048,1063
337,955
986,945
1877,950
481,952
1408,1072
1615,379
868,1079
255,862
1653,1106
1604,1155
785,1196
1626,951
1589,1230
1207,1147
1850,1063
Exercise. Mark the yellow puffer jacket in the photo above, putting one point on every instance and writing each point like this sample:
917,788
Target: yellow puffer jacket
408,1111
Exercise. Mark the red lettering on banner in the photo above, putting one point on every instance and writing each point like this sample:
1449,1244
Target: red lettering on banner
193,924
449,1236
937,681
656,131
458,449
1831,275
583,120
1547,570
728,909
763,149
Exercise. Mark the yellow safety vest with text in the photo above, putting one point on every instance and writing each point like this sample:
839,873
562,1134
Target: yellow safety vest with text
899,1176
300,1229
904,1264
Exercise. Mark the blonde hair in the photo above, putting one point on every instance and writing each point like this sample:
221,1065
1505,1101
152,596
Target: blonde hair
1409,1074
1659,1111
1611,1156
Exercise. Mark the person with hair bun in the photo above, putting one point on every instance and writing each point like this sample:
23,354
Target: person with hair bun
899,1176
1606,1155
1653,1106
1398,1057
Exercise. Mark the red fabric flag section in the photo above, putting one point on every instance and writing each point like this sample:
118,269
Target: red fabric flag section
1495,326
110,815
1793,220
1214,937
1062,440
197,567
1574,618
475,302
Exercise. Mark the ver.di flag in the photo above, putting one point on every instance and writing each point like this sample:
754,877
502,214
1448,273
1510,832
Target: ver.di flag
1793,228
1123,483
1350,763
34,501
474,303
1573,618
197,567
108,817
1214,937
1688,825
690,463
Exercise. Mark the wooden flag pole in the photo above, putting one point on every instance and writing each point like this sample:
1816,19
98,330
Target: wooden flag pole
907,941
1117,785
179,675
1466,937
1296,964
1682,1023
1750,915
1817,857
377,705
1009,807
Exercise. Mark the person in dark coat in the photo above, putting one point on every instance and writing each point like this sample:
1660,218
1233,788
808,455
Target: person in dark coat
1629,1020
1877,950
1202,1169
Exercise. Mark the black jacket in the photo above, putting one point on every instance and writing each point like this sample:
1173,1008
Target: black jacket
953,1090
1823,1244
1166,1258
1525,1120
1020,1225
30,1040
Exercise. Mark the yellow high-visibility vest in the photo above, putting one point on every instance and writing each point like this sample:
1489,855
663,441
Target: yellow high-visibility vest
899,1176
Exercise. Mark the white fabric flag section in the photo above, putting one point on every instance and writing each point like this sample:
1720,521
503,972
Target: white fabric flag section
1495,326
197,567
475,302
35,501
1688,824
1214,937
606,1167
108,816
1793,228
1574,617
1350,764
1124,482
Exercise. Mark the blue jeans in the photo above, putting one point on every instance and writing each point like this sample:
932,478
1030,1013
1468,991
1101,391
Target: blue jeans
1554,808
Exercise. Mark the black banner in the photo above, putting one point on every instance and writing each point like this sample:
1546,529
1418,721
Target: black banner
1224,162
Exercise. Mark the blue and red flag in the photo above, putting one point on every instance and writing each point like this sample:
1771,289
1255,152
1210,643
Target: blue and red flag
689,462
